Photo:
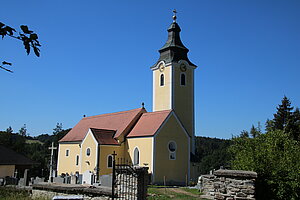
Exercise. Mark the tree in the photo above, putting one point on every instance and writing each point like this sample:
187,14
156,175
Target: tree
286,119
9,129
244,134
283,114
28,37
23,130
275,157
255,131
57,129
211,153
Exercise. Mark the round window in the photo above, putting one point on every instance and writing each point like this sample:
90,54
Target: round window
172,146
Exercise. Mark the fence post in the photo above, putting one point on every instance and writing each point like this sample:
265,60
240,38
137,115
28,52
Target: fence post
142,182
113,185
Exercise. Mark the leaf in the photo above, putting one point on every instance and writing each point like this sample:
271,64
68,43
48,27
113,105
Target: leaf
27,46
6,63
36,51
1,24
33,36
10,30
25,29
6,69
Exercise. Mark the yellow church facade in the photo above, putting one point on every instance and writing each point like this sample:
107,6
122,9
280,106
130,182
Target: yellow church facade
161,140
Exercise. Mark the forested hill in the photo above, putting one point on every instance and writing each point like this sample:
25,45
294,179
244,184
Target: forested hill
35,148
212,153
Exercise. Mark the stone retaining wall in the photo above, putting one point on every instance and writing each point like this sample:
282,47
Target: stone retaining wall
228,185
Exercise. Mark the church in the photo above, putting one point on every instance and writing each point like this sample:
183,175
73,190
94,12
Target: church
162,140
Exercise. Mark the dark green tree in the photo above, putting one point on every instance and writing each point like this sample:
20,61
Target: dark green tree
244,134
9,129
255,131
283,114
23,130
57,129
211,153
275,157
286,119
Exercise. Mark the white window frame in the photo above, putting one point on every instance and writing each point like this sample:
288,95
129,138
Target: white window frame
108,161
139,156
172,153
67,152
77,160
162,74
86,152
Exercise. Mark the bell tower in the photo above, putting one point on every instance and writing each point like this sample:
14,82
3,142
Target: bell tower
173,80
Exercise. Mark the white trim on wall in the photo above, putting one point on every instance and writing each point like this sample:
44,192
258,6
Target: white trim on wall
153,90
58,153
153,158
80,158
172,86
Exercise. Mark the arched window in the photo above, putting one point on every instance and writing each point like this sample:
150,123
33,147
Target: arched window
109,161
88,151
172,147
182,79
136,156
77,160
162,80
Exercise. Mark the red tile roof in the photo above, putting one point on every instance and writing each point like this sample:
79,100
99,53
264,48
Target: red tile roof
149,123
118,121
104,136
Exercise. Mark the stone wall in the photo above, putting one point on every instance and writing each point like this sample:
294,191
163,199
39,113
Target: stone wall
228,185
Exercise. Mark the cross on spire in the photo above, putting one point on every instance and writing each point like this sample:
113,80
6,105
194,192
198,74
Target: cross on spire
174,16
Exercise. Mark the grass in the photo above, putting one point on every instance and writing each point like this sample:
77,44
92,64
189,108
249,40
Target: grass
161,193
28,141
192,190
12,193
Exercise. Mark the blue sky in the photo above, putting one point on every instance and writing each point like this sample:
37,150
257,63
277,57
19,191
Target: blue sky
96,58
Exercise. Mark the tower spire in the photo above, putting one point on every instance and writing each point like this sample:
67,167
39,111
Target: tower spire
173,50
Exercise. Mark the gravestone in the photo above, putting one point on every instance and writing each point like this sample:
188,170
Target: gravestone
38,180
58,179
106,180
87,177
67,179
79,180
1,181
22,182
26,177
73,179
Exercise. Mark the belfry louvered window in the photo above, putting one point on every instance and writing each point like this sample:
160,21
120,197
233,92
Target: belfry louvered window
182,79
